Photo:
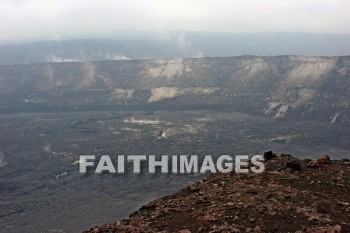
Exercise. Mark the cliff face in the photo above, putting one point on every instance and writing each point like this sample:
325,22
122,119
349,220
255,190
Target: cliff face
280,87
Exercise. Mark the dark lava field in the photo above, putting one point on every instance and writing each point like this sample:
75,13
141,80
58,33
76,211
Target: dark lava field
41,187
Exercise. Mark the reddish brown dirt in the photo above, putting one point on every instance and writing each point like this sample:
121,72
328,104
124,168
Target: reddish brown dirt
313,199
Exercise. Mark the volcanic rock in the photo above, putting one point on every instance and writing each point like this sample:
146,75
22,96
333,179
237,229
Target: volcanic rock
313,163
324,160
269,155
272,201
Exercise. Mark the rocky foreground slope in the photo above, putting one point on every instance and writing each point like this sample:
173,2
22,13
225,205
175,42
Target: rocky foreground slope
292,195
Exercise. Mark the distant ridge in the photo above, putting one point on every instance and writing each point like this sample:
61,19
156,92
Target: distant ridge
176,45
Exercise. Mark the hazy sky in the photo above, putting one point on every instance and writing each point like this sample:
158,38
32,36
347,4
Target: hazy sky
52,18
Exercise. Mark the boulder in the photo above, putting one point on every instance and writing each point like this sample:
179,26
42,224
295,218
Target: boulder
313,164
324,160
269,155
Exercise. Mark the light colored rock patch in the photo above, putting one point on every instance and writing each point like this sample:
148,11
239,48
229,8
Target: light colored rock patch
271,107
47,148
282,111
130,129
81,160
187,129
163,93
305,96
165,68
251,69
309,74
299,98
334,118
142,121
163,135
107,81
205,119
188,68
171,92
122,94
89,76
307,93
61,175
192,129
255,67
287,138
